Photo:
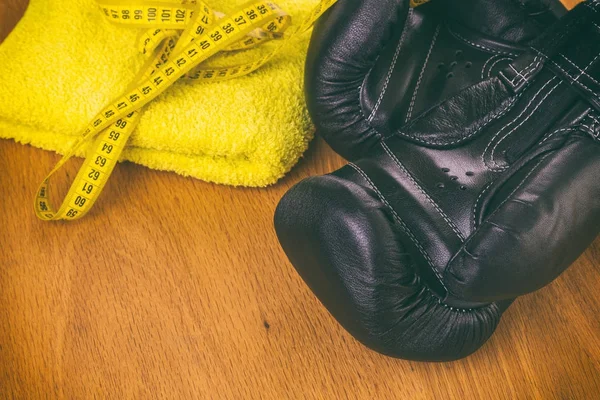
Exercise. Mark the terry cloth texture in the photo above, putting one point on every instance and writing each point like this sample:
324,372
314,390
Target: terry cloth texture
65,61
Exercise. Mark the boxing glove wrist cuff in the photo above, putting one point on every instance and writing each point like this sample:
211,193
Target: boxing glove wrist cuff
549,50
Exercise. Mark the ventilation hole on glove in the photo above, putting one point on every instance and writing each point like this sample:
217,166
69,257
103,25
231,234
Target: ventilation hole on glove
450,75
468,65
458,53
453,64
446,169
454,178
469,173
463,188
441,185
441,65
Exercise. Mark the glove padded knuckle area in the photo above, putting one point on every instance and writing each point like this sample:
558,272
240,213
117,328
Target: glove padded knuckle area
343,241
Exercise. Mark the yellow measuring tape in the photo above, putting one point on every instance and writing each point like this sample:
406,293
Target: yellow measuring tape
180,35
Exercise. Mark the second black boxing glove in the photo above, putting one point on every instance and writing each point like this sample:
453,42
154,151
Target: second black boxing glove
373,65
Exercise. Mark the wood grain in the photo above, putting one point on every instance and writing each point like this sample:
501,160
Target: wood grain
175,288
10,13
571,3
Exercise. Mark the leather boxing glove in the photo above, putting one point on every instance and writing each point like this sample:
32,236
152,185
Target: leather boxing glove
419,246
375,64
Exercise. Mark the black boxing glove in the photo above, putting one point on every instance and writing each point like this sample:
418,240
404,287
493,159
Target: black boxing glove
375,64
418,247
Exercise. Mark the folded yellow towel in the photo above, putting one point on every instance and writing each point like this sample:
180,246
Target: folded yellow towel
65,61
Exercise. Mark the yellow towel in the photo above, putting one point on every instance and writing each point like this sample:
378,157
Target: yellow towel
64,61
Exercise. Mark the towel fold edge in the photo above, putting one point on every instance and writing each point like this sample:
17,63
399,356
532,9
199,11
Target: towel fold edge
241,170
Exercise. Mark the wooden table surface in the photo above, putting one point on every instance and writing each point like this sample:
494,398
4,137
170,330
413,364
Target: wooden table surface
142,300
